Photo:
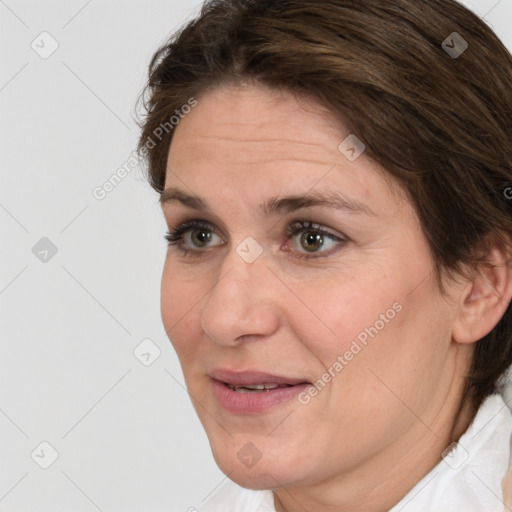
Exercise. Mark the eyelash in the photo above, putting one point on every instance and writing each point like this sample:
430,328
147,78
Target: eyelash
175,237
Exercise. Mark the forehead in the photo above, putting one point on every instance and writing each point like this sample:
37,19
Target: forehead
242,134
266,118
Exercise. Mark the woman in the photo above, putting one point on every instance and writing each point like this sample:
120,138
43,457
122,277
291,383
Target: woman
337,284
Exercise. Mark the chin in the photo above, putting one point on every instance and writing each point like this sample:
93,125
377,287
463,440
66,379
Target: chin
257,482
270,472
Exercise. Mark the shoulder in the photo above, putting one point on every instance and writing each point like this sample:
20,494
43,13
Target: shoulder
233,498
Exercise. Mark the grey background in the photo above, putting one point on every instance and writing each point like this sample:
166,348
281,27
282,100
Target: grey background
123,427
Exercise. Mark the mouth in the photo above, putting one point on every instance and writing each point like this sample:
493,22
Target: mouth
254,392
256,388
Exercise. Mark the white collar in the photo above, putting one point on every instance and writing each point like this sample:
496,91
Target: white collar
468,479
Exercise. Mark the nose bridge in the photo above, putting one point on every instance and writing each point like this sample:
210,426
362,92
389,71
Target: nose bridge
238,304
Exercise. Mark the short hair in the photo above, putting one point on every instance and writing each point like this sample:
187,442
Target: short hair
425,84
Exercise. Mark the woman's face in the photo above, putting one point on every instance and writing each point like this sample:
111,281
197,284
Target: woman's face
337,305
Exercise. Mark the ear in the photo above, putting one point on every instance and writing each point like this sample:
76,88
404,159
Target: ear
487,295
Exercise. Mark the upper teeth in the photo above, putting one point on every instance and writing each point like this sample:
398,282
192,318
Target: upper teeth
255,386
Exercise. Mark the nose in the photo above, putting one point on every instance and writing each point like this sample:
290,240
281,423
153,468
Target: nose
243,304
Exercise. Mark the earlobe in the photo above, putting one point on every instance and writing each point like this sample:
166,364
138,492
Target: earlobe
486,296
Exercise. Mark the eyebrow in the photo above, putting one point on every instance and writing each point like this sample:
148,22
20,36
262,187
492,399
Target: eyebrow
275,205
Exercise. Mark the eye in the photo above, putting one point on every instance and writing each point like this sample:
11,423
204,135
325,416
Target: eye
313,238
197,231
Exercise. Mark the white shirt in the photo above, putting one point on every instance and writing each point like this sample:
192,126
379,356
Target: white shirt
469,479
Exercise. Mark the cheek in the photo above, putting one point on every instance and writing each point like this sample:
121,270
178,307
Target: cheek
351,314
399,362
180,301
380,326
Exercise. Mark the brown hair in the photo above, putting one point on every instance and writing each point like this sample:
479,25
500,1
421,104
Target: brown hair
439,123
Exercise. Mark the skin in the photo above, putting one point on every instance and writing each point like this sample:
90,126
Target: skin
382,422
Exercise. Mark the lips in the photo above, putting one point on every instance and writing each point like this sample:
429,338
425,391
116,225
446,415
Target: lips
254,378
253,392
